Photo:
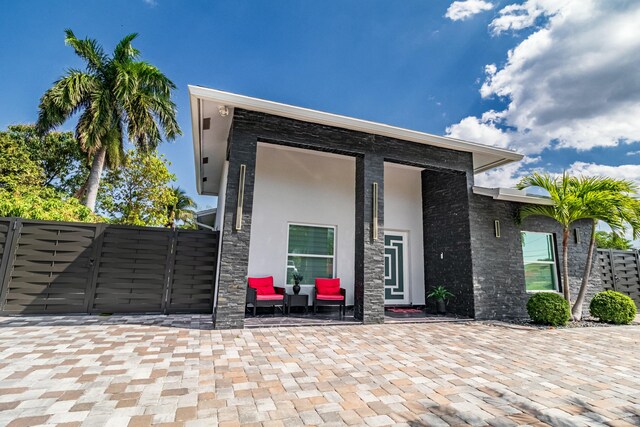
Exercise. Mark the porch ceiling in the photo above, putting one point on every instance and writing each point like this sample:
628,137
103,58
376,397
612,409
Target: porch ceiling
218,106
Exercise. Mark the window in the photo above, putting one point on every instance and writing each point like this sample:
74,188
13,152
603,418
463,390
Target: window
539,261
311,252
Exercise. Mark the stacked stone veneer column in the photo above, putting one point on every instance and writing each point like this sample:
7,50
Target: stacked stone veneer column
447,238
234,256
369,256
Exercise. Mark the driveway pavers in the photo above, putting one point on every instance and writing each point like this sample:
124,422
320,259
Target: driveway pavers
175,371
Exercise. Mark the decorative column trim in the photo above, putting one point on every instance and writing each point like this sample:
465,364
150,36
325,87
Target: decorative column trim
374,227
240,205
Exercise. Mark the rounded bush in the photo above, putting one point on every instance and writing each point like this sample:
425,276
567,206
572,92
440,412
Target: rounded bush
548,309
613,307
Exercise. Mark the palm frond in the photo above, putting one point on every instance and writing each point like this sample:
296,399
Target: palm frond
67,95
124,51
87,49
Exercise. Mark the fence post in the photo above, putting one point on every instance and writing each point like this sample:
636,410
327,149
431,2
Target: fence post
613,270
96,254
8,257
168,272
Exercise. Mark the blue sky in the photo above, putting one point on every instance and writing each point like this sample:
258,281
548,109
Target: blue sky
398,62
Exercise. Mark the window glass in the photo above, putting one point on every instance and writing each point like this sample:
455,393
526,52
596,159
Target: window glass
305,239
539,261
310,252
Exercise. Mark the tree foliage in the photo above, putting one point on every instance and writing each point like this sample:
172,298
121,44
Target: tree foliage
607,240
24,189
182,210
57,154
139,192
117,97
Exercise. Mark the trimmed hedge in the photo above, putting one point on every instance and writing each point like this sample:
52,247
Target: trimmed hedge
548,308
613,307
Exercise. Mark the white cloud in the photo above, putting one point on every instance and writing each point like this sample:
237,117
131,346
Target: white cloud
519,16
633,153
631,172
574,81
151,3
461,10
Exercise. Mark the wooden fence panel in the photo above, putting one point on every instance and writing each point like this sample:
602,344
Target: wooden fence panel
57,267
49,268
604,265
131,270
620,271
194,271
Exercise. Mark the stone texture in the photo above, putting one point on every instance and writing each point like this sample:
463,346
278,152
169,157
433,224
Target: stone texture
369,252
234,256
447,238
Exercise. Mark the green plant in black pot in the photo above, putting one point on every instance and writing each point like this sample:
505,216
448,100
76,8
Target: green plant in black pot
297,278
441,295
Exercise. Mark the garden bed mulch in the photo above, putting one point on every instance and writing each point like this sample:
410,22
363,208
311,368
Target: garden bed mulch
528,324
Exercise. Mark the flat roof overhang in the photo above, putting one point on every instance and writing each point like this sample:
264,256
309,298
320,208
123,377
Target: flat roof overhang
218,107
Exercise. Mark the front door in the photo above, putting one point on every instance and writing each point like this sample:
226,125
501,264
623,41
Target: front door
395,268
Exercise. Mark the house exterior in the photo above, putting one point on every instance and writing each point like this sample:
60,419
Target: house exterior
390,211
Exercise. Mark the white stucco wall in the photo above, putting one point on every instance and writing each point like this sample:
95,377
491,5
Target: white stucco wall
301,186
403,212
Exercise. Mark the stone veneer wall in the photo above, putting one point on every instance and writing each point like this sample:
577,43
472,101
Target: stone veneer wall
447,239
498,266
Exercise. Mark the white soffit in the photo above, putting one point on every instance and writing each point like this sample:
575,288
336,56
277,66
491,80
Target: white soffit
512,195
205,102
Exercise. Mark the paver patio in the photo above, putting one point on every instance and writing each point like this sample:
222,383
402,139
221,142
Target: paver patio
139,371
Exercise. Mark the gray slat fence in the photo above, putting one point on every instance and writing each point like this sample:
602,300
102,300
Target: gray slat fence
60,267
620,271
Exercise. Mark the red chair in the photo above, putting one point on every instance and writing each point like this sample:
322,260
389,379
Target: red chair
329,293
262,293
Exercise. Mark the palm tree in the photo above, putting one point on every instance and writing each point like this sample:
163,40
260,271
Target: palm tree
594,198
613,203
566,209
117,97
181,209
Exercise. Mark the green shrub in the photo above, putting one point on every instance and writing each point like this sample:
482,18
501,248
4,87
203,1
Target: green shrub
548,309
613,307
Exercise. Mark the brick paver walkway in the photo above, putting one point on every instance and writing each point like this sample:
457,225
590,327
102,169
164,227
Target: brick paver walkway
120,371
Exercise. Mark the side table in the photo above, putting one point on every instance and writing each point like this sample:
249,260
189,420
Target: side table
300,300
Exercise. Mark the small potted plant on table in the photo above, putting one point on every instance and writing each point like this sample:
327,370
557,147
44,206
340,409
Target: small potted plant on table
297,278
442,296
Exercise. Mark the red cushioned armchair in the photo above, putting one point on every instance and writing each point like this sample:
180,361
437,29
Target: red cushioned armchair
329,292
262,293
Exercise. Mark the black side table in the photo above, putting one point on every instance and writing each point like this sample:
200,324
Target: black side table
300,300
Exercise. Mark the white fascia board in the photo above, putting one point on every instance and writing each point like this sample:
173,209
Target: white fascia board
502,156
195,137
512,195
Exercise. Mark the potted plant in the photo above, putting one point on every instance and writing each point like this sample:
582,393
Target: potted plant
441,295
297,278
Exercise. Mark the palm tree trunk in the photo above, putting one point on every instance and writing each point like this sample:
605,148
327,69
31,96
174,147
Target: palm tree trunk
93,181
80,192
576,311
565,264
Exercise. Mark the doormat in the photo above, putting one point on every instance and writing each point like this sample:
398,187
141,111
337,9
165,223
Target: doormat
404,312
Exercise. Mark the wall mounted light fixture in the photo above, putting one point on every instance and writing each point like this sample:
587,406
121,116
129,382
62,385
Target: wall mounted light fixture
496,228
576,235
223,110
374,228
243,171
